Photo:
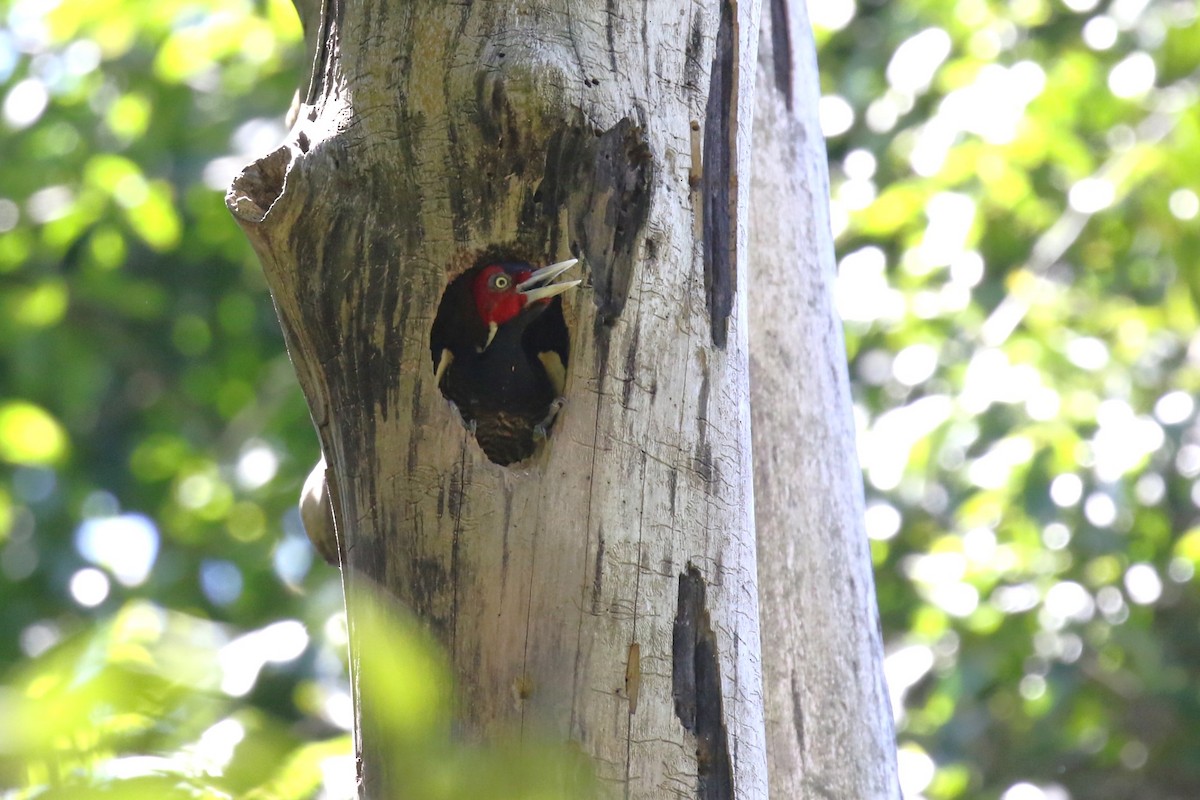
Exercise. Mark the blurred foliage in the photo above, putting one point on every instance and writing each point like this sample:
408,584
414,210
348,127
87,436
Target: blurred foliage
1015,202
1015,195
166,630
135,708
412,725
147,705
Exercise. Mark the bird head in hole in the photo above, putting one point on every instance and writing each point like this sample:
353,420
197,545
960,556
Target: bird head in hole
504,290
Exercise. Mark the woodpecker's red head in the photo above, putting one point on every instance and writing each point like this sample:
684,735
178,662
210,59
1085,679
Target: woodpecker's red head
502,291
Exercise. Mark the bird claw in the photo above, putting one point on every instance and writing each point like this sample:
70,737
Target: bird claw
542,429
469,424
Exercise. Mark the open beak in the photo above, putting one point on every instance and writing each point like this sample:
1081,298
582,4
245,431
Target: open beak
538,287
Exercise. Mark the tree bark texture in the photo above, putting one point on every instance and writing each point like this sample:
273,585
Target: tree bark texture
605,591
829,725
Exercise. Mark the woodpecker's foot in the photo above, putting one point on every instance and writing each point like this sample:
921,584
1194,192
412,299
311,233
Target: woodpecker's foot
542,429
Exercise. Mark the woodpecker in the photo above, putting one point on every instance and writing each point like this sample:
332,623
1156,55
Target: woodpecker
499,345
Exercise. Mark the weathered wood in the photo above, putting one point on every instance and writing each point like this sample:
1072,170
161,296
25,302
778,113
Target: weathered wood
829,726
605,591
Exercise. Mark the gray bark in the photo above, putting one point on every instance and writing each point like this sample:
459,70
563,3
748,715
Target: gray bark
829,726
605,591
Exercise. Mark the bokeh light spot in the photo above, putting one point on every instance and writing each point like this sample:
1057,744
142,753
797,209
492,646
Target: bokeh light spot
25,103
862,291
257,464
831,15
916,770
903,668
836,115
882,521
126,545
885,447
292,559
1087,352
1069,600
1032,687
243,658
1029,791
1100,32
49,204
10,215
1100,510
1090,195
915,364
221,581
1133,76
1066,490
30,435
1056,536
916,60
38,638
215,748
1184,204
89,587
1174,408
1143,584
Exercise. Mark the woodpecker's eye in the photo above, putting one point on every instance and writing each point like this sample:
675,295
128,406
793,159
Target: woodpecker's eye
500,283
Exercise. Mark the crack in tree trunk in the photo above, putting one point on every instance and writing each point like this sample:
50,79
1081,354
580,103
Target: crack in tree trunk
696,686
718,184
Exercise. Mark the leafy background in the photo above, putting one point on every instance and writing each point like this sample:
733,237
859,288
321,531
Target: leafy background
1014,199
1015,196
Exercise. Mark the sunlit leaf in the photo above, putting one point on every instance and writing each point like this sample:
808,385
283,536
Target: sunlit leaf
129,116
30,435
155,219
302,773
40,306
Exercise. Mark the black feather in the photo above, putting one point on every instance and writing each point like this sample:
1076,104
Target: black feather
504,392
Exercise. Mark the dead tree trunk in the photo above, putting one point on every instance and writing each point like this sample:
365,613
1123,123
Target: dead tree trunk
603,591
829,725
